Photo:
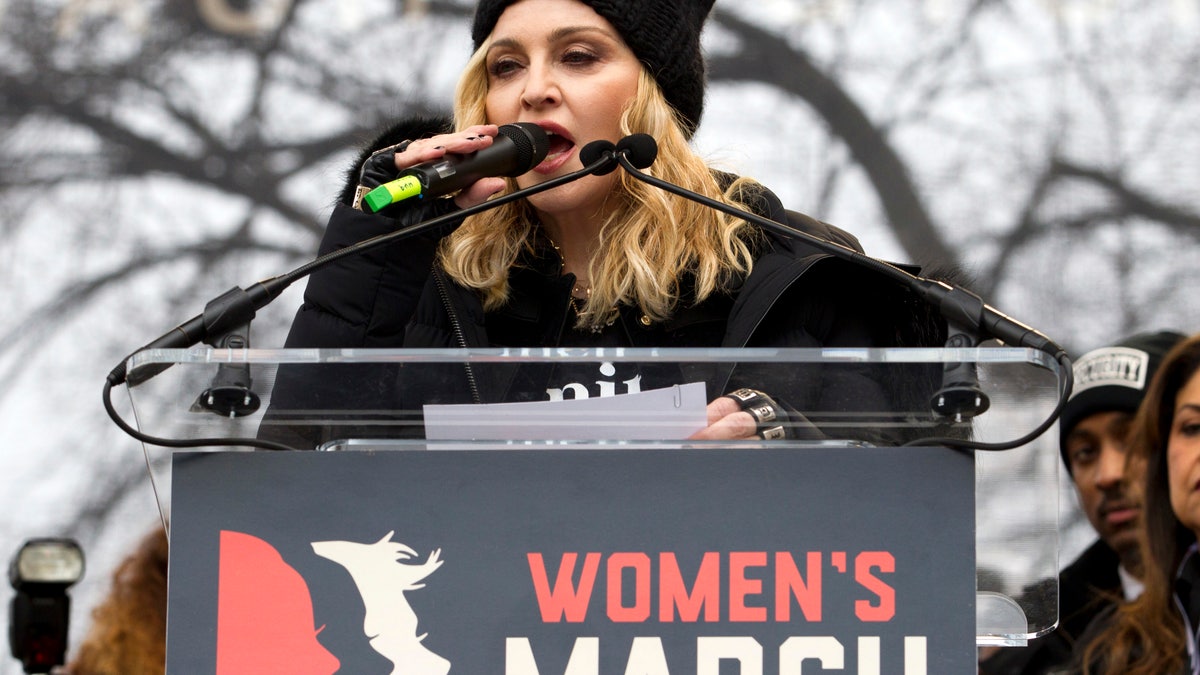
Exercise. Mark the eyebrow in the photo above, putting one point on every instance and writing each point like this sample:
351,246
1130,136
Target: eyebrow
556,35
1079,433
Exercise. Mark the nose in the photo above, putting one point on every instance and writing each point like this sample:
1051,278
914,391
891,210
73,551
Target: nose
1111,468
541,88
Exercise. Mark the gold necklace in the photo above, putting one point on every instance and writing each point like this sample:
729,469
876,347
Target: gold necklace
576,301
580,293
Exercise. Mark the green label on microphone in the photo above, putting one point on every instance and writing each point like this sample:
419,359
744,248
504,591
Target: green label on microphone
390,193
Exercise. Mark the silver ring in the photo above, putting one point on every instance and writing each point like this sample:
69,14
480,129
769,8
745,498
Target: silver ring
764,412
743,395
776,433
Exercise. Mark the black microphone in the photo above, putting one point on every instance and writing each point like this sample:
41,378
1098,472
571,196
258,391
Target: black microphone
640,149
597,150
963,310
516,150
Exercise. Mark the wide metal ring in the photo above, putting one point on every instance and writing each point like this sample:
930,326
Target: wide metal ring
764,410
743,396
776,433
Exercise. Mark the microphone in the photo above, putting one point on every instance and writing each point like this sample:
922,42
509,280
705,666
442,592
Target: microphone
640,149
964,311
516,150
597,150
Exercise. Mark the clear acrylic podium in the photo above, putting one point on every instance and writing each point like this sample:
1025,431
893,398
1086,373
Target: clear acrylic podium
1012,495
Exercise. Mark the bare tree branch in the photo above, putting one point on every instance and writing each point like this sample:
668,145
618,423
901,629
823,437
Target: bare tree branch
1131,200
768,58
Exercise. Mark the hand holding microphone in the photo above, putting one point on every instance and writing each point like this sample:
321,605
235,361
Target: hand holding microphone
472,160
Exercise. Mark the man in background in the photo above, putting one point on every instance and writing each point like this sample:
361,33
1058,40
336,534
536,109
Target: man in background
1109,385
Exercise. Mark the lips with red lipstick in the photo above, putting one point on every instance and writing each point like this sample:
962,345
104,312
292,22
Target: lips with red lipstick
562,147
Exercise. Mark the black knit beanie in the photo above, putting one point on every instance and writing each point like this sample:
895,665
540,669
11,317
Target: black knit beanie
1113,379
664,34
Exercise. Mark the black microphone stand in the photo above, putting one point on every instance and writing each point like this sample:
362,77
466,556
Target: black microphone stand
236,307
966,314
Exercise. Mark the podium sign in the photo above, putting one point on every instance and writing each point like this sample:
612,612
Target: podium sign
574,561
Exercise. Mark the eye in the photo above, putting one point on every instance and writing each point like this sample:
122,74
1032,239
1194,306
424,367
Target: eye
1082,454
503,67
1187,421
579,57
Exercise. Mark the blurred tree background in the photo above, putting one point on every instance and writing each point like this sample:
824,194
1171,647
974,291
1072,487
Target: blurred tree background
154,154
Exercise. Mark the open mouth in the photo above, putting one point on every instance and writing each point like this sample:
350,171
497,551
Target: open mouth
561,147
558,145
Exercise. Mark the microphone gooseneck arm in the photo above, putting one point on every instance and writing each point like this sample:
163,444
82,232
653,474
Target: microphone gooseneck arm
957,305
962,309
237,306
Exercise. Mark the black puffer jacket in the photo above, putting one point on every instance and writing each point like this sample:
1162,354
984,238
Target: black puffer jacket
797,296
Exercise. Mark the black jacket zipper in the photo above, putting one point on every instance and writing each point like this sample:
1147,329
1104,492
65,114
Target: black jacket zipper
456,327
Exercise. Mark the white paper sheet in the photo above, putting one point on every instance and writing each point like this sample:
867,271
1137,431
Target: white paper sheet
671,413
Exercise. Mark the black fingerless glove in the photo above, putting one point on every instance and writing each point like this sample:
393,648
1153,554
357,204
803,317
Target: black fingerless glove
372,167
378,168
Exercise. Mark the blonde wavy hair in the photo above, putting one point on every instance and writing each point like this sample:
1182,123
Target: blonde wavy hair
650,238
